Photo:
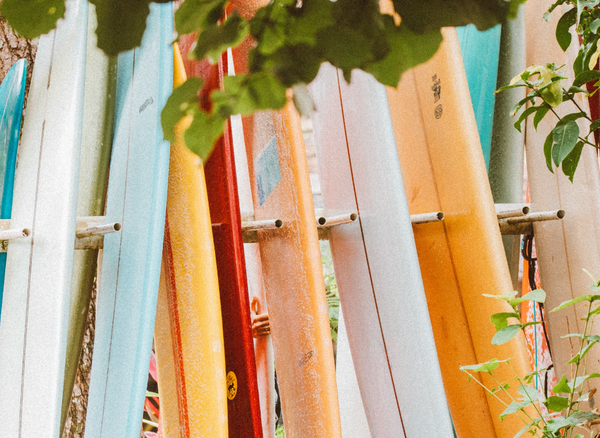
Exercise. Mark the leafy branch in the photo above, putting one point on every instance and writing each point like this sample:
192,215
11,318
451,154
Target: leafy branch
570,417
291,38
564,144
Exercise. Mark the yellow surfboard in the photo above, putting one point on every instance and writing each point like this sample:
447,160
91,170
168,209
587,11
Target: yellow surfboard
462,257
188,333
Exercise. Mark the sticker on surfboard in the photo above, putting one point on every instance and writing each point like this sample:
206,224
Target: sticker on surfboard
232,385
268,172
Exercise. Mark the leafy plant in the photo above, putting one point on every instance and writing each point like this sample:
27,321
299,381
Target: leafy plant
331,289
549,88
291,38
570,392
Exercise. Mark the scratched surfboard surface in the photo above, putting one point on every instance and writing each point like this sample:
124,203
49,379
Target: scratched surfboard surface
137,188
375,259
33,333
443,169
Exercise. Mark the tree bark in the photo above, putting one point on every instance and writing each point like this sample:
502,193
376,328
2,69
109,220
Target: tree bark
13,48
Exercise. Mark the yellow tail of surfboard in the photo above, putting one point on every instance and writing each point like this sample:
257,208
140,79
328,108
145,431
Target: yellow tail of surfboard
189,334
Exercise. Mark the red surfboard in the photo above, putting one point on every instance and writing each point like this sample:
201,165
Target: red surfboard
244,405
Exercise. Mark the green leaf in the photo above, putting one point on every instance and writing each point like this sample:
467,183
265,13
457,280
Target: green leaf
506,297
581,379
539,115
486,367
585,77
121,24
202,134
562,386
358,38
569,164
195,15
151,394
563,35
408,49
183,101
575,419
215,39
529,393
537,295
515,407
594,25
590,298
594,125
556,403
500,320
32,18
570,117
245,94
548,151
523,116
565,137
506,334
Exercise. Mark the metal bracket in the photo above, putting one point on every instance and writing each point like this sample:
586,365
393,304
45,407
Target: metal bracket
89,232
524,224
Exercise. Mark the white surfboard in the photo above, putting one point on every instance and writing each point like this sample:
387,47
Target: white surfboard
375,260
35,310
352,411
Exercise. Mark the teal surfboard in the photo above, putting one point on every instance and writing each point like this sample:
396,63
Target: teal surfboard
480,51
136,197
12,92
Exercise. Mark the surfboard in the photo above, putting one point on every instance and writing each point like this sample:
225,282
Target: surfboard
136,198
352,411
96,142
263,347
292,271
507,150
12,93
461,257
189,329
33,334
480,52
375,259
563,247
243,406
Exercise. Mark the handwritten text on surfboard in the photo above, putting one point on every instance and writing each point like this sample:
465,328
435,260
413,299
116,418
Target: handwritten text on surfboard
437,94
268,172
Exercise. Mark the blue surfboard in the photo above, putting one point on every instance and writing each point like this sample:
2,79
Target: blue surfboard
131,261
12,92
480,52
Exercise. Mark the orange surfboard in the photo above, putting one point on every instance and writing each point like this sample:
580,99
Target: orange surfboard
462,257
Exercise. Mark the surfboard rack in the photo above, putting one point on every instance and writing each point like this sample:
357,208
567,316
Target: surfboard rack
90,231
524,224
324,223
511,210
250,227
426,218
